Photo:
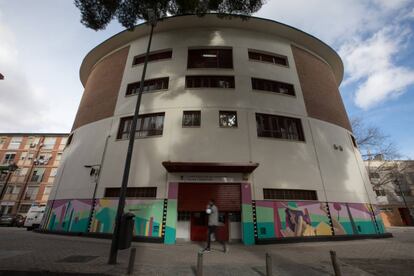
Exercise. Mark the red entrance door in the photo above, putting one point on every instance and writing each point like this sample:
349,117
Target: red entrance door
194,197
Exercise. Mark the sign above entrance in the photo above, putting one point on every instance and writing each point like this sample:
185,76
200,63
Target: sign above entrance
210,178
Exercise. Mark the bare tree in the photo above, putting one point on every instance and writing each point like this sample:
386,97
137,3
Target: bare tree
383,161
372,142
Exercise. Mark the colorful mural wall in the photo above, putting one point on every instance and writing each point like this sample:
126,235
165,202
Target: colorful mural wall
247,215
279,219
148,216
73,215
260,219
68,215
171,220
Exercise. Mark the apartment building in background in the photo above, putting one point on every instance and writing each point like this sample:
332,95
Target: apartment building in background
393,183
35,158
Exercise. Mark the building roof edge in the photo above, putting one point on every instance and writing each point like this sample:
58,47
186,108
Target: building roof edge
293,34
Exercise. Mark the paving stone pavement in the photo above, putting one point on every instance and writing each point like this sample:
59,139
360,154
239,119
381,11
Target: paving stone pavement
46,254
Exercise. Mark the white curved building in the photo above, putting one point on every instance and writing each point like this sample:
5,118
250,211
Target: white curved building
246,112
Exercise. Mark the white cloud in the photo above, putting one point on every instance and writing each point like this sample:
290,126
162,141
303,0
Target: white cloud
383,84
371,64
370,35
331,21
22,106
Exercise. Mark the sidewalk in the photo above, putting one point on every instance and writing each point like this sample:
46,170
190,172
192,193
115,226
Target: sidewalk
27,251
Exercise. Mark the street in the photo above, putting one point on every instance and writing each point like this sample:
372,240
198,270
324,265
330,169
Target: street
22,251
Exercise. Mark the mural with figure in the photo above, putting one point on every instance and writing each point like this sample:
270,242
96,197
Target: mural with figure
278,219
274,219
148,216
69,215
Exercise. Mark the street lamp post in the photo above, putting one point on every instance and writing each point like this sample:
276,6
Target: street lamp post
152,20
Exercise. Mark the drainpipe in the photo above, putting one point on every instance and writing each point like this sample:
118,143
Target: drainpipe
97,178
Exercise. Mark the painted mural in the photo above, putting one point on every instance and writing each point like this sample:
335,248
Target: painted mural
73,216
278,219
247,215
274,219
148,216
355,218
69,215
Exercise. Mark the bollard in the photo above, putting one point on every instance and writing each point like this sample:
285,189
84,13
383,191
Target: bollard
131,261
269,267
200,264
335,264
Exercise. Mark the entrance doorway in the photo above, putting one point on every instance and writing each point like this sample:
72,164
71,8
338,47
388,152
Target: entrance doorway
193,199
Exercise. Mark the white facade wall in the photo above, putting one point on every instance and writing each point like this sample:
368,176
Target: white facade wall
313,165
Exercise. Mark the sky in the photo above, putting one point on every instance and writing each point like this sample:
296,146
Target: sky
42,44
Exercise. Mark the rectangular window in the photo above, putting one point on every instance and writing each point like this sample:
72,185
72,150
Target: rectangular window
158,55
270,58
9,158
49,143
30,156
288,194
280,127
147,125
273,86
24,208
37,175
58,157
149,85
43,158
32,142
191,118
228,118
16,190
210,58
148,192
9,189
47,190
354,142
23,155
2,141
15,142
31,193
23,171
63,142
53,172
380,192
209,81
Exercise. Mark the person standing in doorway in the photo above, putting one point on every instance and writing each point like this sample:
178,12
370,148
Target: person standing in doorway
213,222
